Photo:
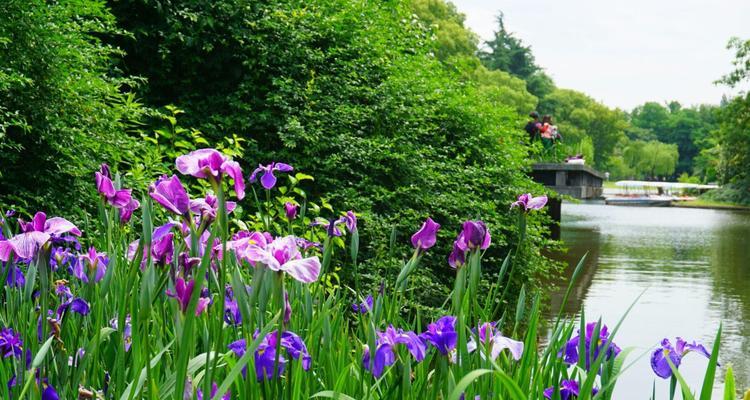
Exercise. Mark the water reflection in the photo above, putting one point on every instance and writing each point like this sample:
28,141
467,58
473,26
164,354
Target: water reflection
693,266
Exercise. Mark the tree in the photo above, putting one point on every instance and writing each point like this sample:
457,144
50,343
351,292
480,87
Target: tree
64,107
579,116
351,92
508,53
443,19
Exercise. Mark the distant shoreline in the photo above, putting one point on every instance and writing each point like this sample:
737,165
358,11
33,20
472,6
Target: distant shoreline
709,205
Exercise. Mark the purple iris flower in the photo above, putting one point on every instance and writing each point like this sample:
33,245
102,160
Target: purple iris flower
60,257
529,202
126,213
331,226
91,261
457,258
159,246
105,187
232,315
442,334
162,250
35,235
571,355
183,292
307,244
659,357
568,390
126,333
283,255
386,342
268,179
265,354
62,290
291,210
170,193
77,305
474,235
208,207
49,392
214,389
365,306
15,276
350,219
11,344
426,236
210,164
489,335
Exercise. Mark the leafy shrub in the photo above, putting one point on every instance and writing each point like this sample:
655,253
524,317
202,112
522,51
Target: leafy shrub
63,105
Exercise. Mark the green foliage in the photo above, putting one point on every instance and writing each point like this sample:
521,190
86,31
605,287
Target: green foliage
507,53
352,93
649,160
579,116
688,128
732,139
447,24
63,105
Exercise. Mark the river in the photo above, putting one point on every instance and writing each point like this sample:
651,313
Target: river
694,266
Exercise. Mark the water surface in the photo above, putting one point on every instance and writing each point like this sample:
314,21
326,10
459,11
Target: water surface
694,266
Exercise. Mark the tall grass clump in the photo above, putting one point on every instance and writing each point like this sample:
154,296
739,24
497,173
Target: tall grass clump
193,302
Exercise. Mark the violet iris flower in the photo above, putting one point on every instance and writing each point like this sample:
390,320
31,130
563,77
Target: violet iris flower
659,357
49,392
60,257
571,355
307,244
426,236
386,342
62,290
529,202
291,210
105,187
11,344
210,164
77,305
350,219
489,335
232,315
265,354
457,258
126,213
214,389
329,225
365,306
15,276
268,179
126,333
91,261
442,334
183,292
208,207
162,250
283,255
170,193
474,235
35,235
569,390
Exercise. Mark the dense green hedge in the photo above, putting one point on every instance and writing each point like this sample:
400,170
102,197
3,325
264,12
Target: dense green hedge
350,92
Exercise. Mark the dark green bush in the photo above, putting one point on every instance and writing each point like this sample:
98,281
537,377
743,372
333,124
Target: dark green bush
351,93
62,105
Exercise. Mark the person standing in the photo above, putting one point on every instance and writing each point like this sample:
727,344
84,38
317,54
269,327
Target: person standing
533,127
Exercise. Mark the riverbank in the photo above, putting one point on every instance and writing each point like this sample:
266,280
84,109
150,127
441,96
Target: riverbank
710,204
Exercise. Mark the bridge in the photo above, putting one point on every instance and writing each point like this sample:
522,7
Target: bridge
574,180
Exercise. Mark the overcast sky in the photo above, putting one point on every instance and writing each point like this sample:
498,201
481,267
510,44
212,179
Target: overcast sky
625,52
